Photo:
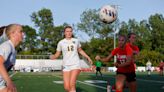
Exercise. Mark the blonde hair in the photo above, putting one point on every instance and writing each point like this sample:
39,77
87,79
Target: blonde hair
10,29
5,31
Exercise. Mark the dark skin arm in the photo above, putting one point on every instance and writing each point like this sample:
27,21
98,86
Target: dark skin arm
109,57
105,59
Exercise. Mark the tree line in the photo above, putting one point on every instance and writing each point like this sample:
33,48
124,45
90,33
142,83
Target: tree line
43,39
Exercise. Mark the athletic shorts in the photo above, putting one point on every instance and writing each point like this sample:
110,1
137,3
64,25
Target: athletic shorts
148,69
2,84
161,68
130,77
98,68
71,67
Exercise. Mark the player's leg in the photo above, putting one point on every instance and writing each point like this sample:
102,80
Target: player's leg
131,79
162,71
66,79
132,86
73,77
97,71
3,90
120,78
149,72
100,71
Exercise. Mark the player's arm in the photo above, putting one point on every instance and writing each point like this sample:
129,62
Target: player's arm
106,59
56,55
136,54
80,50
10,86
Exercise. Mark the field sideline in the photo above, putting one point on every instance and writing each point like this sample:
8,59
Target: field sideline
87,82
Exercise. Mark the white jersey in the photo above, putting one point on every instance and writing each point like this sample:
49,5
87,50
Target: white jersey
69,50
148,65
7,51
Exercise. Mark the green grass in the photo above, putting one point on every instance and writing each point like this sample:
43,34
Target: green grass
43,82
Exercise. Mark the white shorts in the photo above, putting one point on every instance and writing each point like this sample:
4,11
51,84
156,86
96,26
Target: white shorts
71,67
2,84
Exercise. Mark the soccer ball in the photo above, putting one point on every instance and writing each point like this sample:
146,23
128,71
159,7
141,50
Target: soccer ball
108,14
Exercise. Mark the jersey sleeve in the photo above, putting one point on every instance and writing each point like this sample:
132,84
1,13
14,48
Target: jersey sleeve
137,49
5,51
78,44
59,47
114,52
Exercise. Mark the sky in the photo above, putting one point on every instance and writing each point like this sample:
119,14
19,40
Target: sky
69,11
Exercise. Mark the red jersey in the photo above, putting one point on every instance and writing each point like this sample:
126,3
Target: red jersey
135,51
121,55
134,48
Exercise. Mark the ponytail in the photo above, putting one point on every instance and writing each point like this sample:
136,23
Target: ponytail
3,36
2,29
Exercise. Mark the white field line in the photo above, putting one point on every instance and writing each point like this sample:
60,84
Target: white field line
101,87
13,74
91,85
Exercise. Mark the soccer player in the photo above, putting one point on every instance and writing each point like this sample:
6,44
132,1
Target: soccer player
131,43
135,50
125,65
148,67
12,35
161,67
70,47
98,67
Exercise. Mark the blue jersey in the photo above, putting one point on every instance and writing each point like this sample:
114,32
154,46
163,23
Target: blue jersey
7,51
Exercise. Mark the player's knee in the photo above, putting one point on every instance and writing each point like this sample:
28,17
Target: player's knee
119,86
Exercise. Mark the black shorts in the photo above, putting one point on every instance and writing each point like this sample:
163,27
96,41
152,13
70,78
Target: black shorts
161,68
130,77
148,70
98,69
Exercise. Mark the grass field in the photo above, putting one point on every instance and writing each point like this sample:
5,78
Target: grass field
52,82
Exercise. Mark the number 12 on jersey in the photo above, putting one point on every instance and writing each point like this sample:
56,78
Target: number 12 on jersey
70,48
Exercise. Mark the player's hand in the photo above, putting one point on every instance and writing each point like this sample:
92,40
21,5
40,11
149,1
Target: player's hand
92,68
90,61
116,64
51,57
11,87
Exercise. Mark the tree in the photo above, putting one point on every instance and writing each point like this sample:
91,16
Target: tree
48,33
157,31
91,24
124,28
30,42
146,55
